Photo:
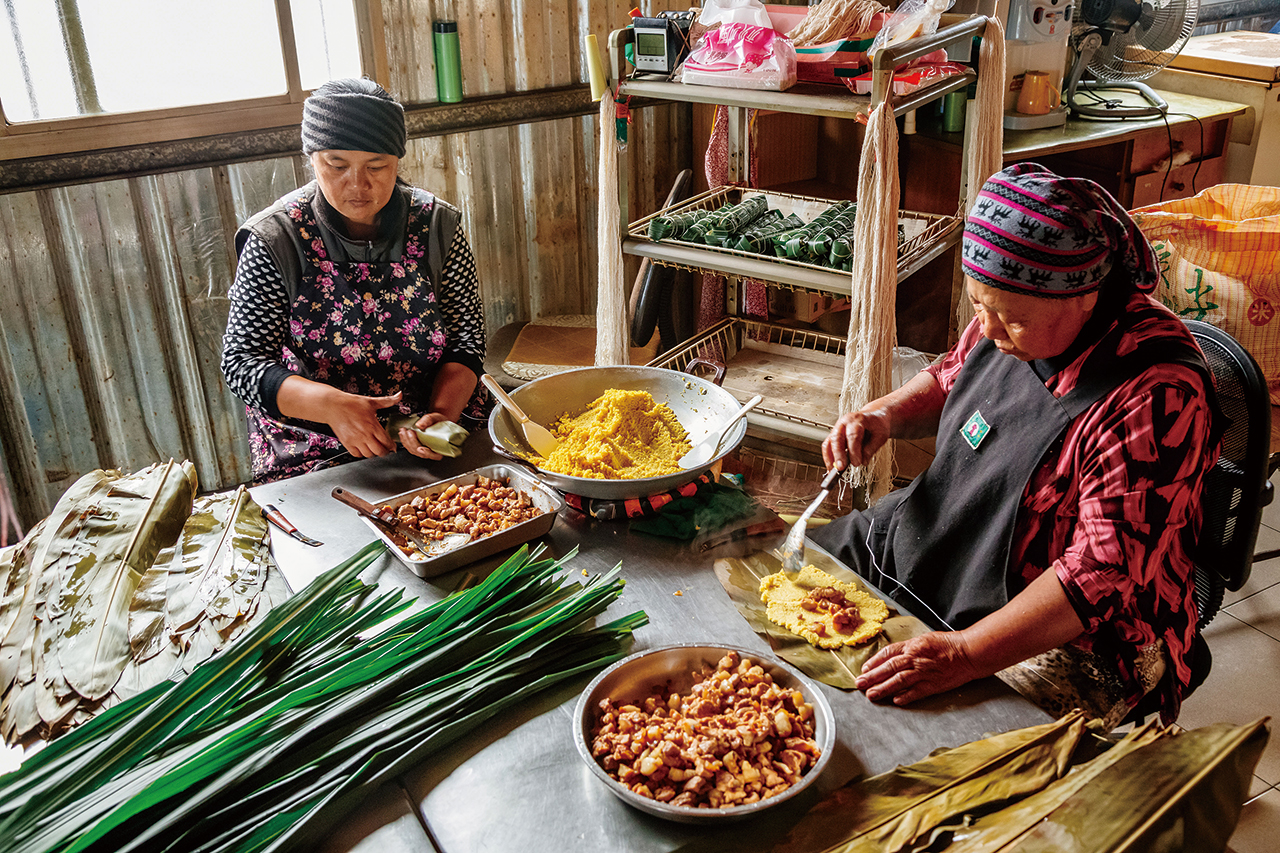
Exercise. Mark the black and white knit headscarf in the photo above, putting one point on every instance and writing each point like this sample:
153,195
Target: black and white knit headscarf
354,114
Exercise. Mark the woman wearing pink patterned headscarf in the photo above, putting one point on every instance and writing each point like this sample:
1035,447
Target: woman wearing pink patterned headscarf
1074,426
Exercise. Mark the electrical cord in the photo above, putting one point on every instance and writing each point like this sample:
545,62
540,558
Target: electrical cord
1113,103
1196,173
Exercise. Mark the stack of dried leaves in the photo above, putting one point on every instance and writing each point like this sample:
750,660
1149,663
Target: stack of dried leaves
129,581
1048,789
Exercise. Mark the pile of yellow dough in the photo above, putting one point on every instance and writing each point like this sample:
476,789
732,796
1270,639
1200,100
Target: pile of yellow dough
623,435
783,593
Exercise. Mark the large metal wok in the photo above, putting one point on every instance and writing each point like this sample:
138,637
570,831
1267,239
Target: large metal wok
700,406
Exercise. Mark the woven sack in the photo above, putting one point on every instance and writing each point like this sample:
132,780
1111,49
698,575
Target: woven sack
1219,257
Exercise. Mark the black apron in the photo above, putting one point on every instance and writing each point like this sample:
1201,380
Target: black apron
941,545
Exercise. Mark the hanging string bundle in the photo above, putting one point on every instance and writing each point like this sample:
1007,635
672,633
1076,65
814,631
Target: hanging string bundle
611,301
984,155
873,333
835,19
612,333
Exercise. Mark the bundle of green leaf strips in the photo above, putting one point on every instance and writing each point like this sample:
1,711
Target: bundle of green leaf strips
272,742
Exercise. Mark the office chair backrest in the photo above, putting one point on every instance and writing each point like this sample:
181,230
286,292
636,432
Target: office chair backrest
1236,490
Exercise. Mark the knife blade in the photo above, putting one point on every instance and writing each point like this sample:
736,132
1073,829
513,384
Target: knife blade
277,518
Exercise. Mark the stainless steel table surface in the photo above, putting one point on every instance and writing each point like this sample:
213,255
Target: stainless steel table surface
517,783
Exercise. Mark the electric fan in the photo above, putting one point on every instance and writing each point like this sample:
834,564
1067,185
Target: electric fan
1122,42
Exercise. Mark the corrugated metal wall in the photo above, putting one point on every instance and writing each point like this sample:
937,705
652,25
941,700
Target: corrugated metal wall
113,294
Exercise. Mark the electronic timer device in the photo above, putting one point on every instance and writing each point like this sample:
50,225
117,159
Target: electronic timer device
662,42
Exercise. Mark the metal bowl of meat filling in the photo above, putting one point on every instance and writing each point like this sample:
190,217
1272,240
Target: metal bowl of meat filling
780,739
700,405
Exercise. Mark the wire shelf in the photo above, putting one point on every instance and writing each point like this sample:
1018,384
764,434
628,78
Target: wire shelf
927,234
797,371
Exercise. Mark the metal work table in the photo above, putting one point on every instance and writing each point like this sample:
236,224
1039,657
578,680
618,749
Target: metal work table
517,782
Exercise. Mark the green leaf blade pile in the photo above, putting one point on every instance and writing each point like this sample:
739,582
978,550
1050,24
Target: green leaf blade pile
272,742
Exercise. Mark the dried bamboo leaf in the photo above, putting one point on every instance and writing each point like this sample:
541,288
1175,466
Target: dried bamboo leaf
224,551
993,832
141,514
141,675
890,811
252,561
54,703
1183,792
741,578
203,643
147,634
21,615
13,577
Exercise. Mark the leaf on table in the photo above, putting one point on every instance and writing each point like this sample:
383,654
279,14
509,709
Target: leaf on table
42,543
21,716
1191,785
891,811
992,832
221,564
142,514
741,578
147,634
55,700
13,578
140,675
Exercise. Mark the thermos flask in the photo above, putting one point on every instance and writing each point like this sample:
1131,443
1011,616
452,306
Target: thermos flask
448,62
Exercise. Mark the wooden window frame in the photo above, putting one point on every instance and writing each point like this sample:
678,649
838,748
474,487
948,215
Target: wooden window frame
42,138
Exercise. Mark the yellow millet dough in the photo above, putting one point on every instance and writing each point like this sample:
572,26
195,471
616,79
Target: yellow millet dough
783,592
623,435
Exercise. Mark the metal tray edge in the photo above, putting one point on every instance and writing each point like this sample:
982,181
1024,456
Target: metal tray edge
481,548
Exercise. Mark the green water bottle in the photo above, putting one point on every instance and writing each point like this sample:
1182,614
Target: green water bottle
448,62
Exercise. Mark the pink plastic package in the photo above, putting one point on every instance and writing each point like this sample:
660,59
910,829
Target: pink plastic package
742,56
908,81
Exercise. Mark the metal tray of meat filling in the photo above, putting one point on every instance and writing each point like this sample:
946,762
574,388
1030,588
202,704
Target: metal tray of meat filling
544,498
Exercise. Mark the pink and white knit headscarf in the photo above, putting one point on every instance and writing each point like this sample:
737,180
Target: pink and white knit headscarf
1032,231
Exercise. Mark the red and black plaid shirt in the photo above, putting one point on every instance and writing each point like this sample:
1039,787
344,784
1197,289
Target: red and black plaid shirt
1109,507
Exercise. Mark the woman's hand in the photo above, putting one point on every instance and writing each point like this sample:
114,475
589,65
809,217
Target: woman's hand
919,667
354,420
856,437
912,411
409,438
1035,620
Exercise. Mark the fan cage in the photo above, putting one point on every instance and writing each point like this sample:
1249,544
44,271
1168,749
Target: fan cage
1147,47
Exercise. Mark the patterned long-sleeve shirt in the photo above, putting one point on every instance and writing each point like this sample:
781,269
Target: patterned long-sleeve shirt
1110,506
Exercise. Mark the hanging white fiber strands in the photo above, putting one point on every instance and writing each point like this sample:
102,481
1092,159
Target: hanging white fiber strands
611,300
873,331
985,153
835,19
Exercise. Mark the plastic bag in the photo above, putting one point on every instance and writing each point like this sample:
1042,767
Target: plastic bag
734,12
742,56
914,18
906,82
1218,263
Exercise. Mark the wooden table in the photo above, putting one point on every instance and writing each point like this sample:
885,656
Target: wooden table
517,783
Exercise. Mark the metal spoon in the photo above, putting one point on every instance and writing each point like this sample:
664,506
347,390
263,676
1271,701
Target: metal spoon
704,451
792,551
538,436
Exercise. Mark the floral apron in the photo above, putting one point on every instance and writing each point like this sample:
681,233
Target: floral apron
366,328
